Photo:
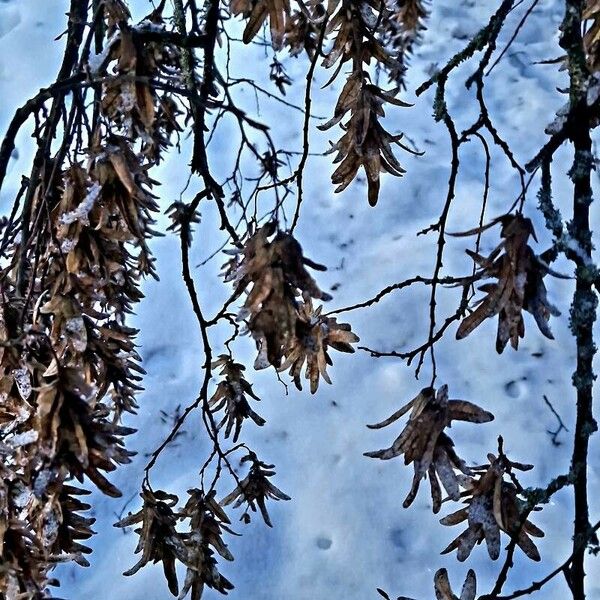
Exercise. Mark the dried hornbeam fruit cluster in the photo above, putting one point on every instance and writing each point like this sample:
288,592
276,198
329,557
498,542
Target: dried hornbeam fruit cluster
273,264
362,32
400,32
590,17
493,503
303,29
591,39
442,588
443,591
230,396
492,493
130,100
193,535
424,443
492,507
365,142
160,540
314,334
68,363
256,13
255,489
520,274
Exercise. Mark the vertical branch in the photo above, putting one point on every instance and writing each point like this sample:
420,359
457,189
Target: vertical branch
199,99
583,308
77,21
306,128
99,33
441,114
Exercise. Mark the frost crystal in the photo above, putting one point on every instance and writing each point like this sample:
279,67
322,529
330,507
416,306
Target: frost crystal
22,439
23,381
82,211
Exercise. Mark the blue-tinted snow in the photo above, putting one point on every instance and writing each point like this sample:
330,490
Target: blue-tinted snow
345,532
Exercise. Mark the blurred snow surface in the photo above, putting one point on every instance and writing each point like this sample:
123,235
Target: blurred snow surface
345,533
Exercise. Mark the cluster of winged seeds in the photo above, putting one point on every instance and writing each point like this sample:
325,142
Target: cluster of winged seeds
302,29
424,443
68,364
442,588
443,591
130,99
520,274
254,490
492,507
400,32
365,142
591,39
256,13
230,396
491,492
284,328
492,503
314,334
160,541
362,31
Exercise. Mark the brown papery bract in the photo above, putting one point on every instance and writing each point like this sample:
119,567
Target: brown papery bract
424,443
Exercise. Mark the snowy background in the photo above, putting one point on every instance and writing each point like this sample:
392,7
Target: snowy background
345,533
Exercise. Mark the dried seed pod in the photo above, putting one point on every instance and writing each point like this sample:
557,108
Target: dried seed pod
24,568
352,24
520,286
424,444
591,39
276,269
70,526
207,522
130,100
400,31
255,488
302,31
365,142
492,507
72,369
314,335
257,11
158,541
230,395
443,591
79,437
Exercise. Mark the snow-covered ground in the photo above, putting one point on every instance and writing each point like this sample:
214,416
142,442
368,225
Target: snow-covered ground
345,532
